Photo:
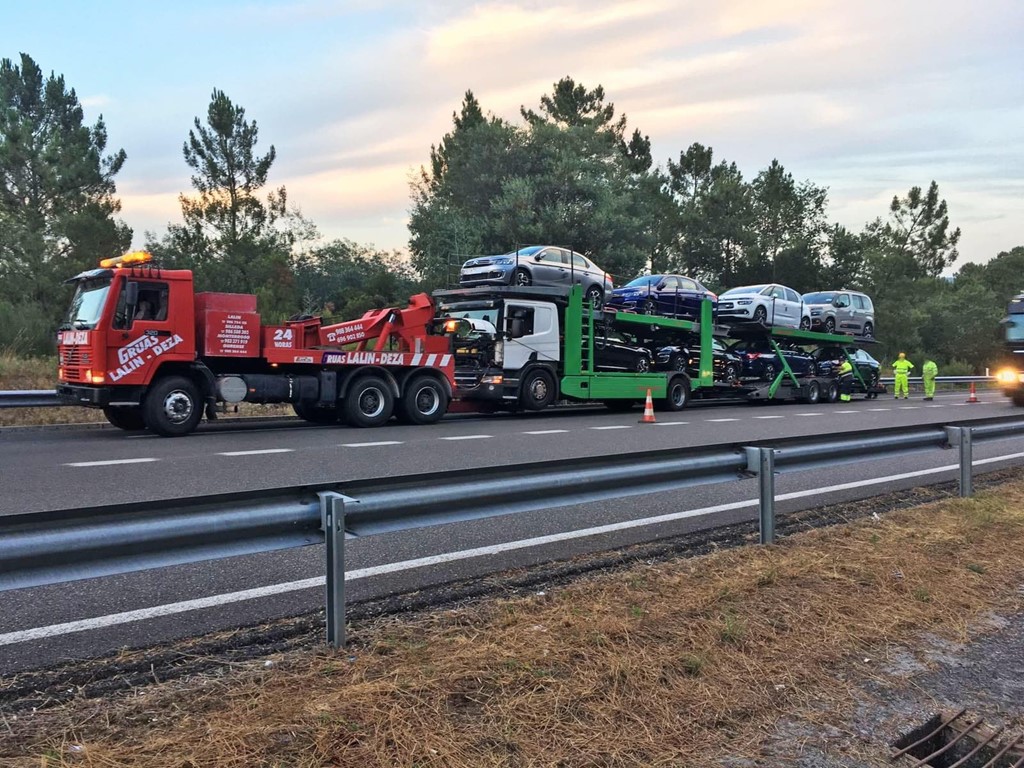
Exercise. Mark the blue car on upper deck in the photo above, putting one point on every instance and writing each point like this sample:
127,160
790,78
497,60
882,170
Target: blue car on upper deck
665,295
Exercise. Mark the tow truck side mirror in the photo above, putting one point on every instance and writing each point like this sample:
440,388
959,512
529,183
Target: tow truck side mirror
515,328
131,301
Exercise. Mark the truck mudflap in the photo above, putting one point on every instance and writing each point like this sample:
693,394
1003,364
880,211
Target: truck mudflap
98,397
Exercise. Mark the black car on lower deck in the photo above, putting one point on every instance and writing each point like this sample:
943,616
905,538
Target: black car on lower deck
728,365
613,352
828,360
760,360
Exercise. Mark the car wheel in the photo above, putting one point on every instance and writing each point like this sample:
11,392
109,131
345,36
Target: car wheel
830,325
805,323
127,418
649,307
521,277
369,402
424,401
594,296
172,407
770,371
315,415
677,395
873,379
761,315
730,374
538,390
678,363
642,365
869,331
813,393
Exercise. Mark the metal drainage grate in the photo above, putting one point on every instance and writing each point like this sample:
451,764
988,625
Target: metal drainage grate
958,741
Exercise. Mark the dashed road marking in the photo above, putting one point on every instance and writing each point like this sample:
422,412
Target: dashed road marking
256,453
909,407
371,445
466,437
769,417
935,406
810,414
720,420
108,462
879,409
845,411
671,423
546,432
613,426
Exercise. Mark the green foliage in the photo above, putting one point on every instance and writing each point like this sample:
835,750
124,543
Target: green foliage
231,238
26,328
345,279
567,177
57,203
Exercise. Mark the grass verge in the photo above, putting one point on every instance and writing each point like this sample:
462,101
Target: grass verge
686,662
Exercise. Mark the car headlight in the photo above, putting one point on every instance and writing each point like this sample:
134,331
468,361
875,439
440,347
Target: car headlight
505,261
745,302
1007,376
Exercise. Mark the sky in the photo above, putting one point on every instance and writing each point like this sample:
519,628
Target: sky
865,97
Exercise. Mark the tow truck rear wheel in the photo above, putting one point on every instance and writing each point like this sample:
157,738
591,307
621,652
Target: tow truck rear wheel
424,401
315,415
677,395
538,390
369,402
172,407
127,418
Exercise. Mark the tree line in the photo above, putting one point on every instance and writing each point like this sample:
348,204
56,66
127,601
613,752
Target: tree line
570,172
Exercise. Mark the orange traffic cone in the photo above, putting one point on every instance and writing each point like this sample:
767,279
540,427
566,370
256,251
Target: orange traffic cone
648,410
972,398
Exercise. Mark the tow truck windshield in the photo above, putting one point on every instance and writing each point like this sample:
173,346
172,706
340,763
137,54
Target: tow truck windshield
87,304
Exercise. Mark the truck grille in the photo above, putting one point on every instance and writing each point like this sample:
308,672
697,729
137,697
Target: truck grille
76,361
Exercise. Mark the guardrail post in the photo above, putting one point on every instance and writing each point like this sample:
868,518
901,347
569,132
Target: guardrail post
332,512
766,478
966,462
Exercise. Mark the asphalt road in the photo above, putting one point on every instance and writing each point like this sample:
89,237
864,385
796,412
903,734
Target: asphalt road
46,469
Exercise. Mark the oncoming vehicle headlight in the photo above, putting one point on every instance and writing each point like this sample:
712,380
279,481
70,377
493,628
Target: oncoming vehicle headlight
1007,376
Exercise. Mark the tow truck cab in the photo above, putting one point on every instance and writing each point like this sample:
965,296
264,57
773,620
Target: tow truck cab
122,317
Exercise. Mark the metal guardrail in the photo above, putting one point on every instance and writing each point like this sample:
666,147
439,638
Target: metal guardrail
946,379
47,548
29,398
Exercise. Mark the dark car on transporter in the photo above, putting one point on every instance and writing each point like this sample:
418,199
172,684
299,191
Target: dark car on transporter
760,360
540,265
613,352
665,295
728,365
830,358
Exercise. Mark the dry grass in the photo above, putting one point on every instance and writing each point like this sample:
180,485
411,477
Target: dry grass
679,663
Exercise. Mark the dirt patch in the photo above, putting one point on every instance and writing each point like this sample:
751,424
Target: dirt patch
659,661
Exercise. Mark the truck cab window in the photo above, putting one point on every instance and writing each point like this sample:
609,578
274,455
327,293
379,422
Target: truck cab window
519,322
150,307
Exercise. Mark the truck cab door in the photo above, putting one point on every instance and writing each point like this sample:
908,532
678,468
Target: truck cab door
531,332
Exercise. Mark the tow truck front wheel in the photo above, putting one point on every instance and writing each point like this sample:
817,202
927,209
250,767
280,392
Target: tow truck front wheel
369,402
172,407
127,418
423,402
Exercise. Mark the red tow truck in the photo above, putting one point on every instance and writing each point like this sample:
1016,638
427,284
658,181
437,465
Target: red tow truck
141,344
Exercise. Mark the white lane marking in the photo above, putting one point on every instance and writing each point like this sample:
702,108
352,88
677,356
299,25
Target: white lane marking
845,411
809,414
935,406
466,437
909,407
84,625
720,420
257,453
613,426
546,432
671,423
769,417
371,445
879,409
108,462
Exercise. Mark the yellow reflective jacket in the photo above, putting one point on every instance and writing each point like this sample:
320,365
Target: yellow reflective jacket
902,367
929,370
